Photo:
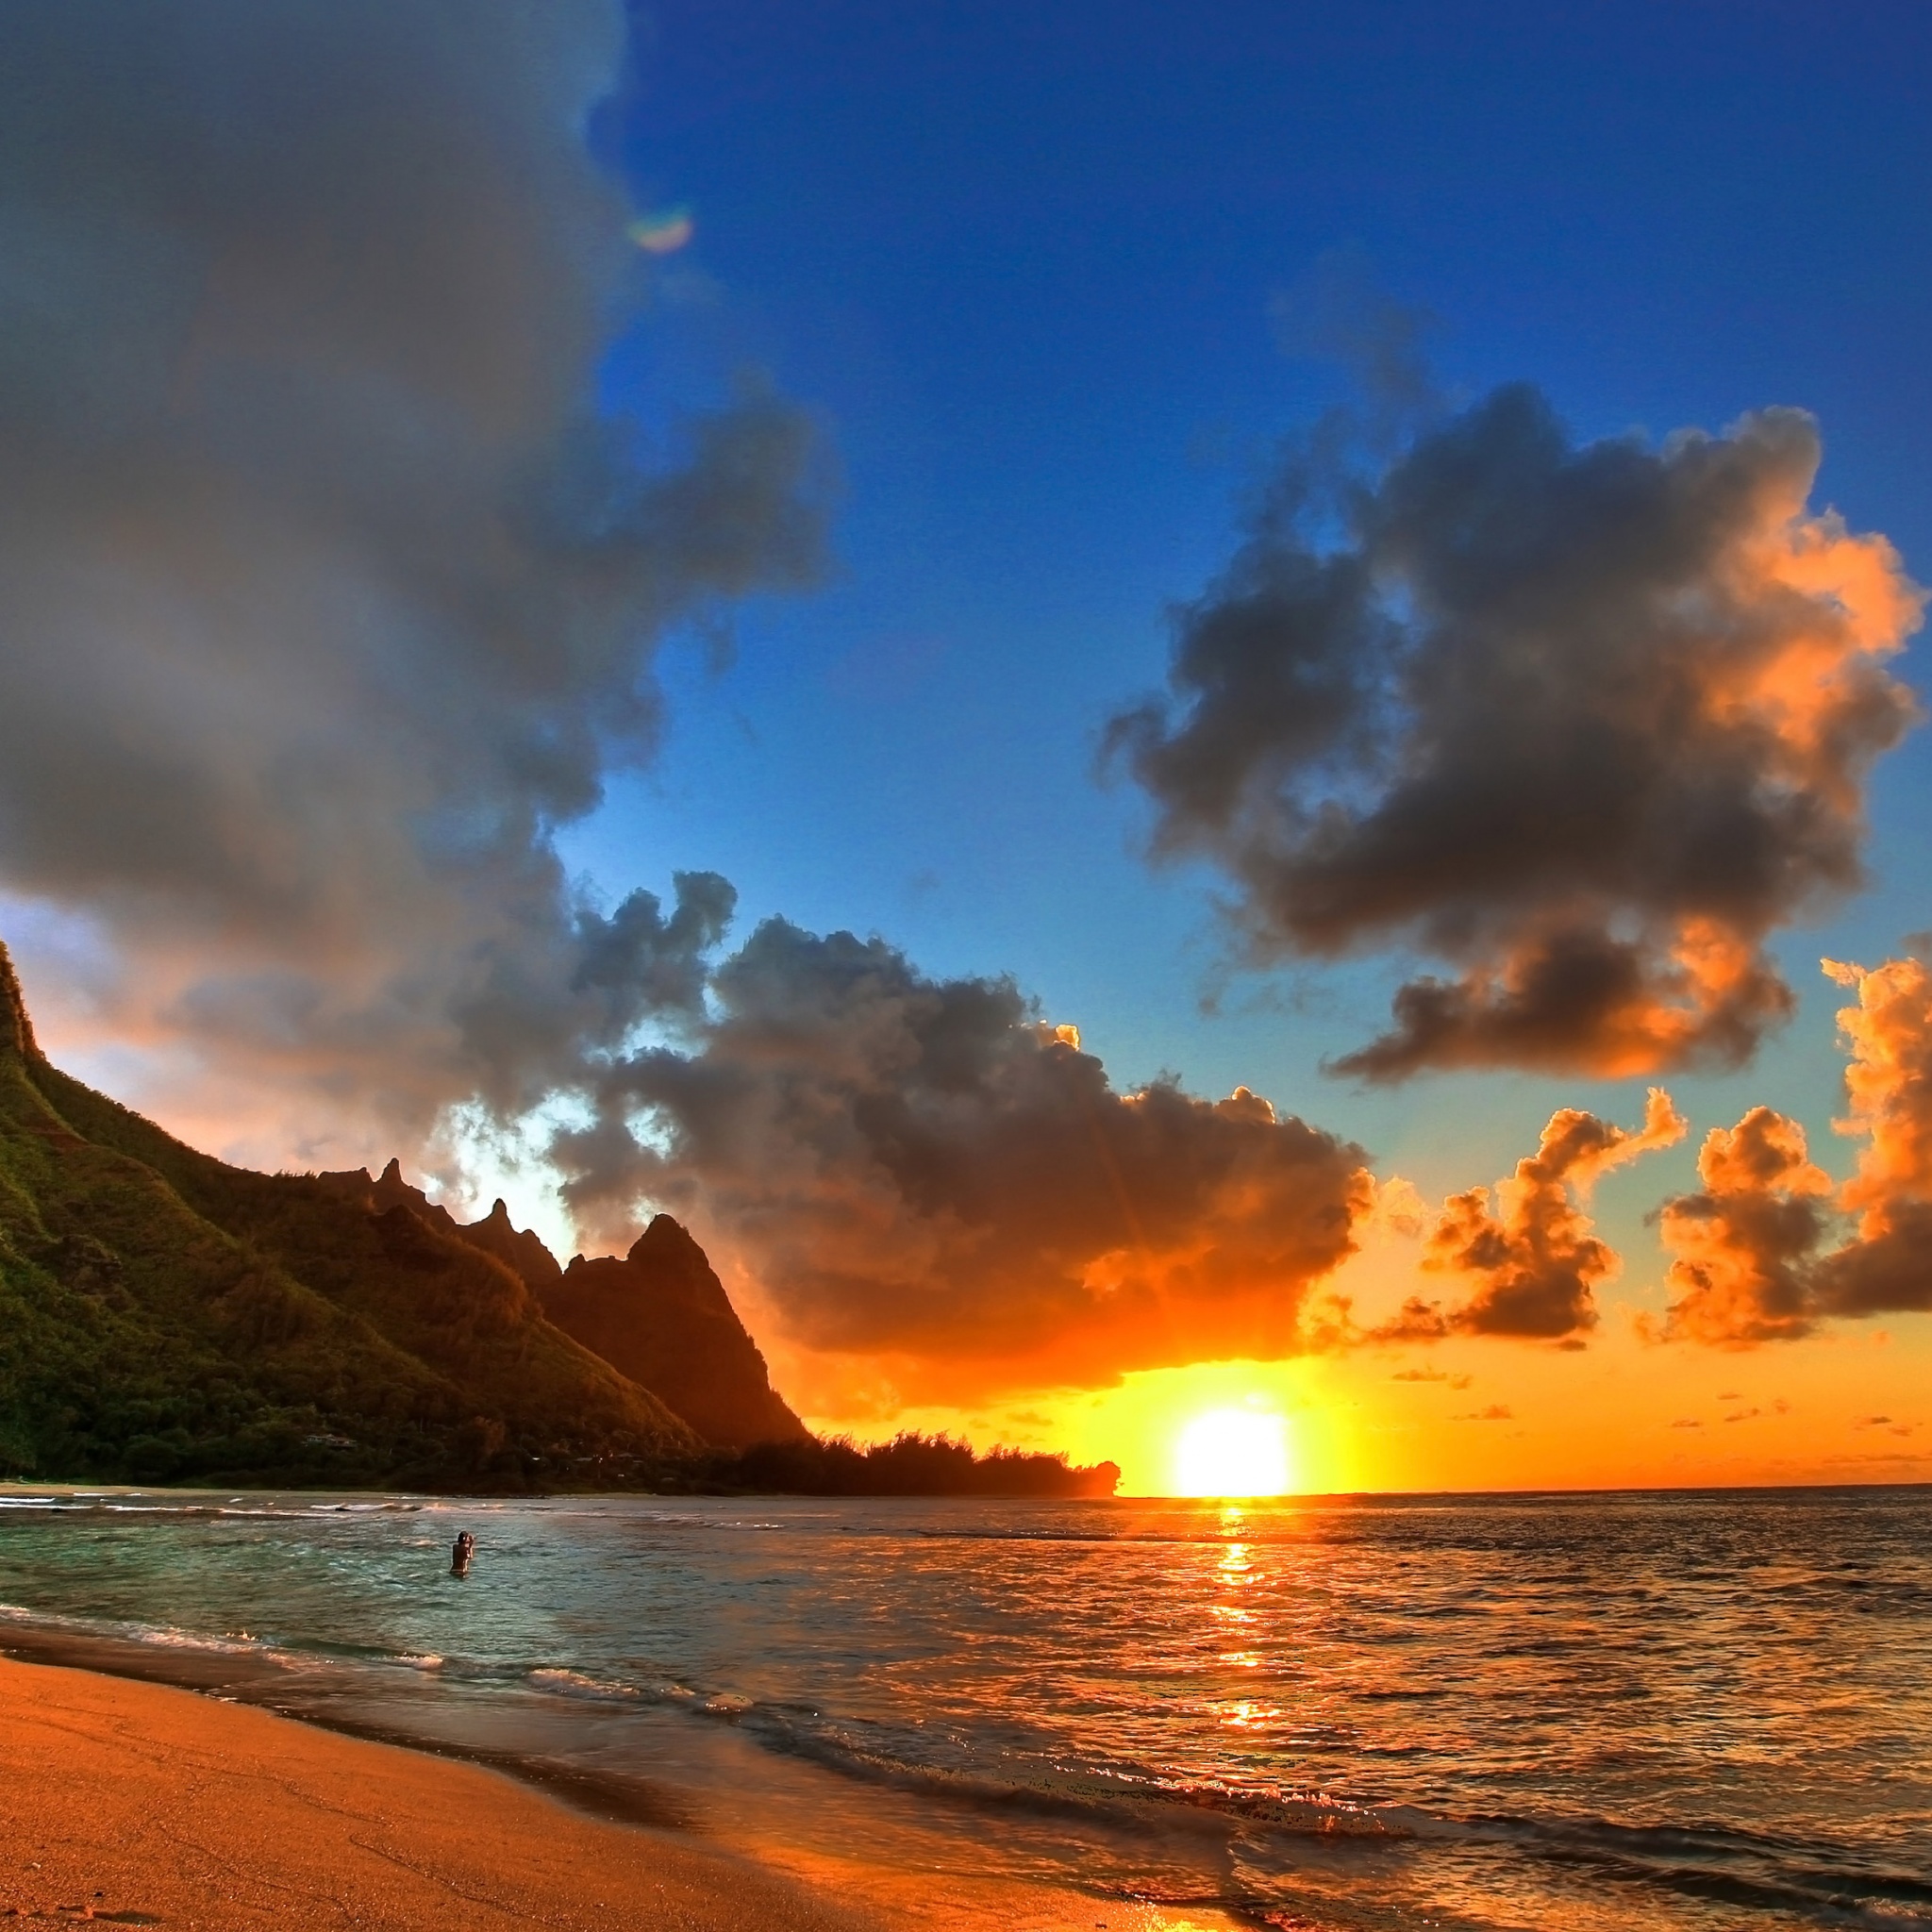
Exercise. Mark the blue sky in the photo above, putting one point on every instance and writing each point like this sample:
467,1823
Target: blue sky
1021,264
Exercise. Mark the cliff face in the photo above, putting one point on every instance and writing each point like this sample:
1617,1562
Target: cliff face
661,1315
520,1251
16,1030
165,1315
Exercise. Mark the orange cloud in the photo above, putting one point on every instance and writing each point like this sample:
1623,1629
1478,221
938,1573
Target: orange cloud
1889,1263
1743,1243
922,1172
1586,723
1748,1266
1530,1252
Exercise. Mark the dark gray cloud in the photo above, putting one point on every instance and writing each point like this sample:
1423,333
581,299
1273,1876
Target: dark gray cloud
923,1169
322,600
1586,723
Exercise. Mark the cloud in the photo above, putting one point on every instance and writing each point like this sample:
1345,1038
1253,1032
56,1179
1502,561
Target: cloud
327,599
1338,314
1530,1255
1432,1375
1494,1413
1751,1264
1888,1264
1586,723
923,1169
1741,1245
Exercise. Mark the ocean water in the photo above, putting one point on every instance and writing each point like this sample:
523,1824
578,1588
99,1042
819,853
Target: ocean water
1560,1713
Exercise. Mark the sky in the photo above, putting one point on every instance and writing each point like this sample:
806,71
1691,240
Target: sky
1058,671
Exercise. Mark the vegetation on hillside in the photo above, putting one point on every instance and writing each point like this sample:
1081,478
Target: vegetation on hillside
909,1465
164,1317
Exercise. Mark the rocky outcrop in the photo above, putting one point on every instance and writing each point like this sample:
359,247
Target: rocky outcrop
16,1030
519,1250
163,1315
660,1316
388,1190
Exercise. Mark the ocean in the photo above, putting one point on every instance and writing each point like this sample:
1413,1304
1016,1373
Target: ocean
1557,1713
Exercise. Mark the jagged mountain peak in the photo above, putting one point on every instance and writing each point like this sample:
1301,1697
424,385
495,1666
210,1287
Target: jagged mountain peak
669,1237
16,1028
661,1315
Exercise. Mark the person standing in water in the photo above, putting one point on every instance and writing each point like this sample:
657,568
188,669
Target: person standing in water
459,1554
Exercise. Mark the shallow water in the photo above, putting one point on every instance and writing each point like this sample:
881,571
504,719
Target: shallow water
1560,1713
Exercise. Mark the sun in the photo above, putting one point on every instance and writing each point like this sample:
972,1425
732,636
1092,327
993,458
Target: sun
1232,1452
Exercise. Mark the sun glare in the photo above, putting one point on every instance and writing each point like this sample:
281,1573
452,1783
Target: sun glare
1232,1452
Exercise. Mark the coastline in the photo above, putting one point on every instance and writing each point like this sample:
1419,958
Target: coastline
137,1803
130,1795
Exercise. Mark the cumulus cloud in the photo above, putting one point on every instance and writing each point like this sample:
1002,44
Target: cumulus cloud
1529,1253
1886,1265
1751,1262
1743,1245
1584,722
327,600
923,1169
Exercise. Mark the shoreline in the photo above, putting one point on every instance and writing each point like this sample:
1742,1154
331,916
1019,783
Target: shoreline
143,1803
210,1675
107,1750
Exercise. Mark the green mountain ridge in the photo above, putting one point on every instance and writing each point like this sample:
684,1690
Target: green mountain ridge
166,1317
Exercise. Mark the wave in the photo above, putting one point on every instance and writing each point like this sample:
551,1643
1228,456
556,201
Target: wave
1282,1832
137,1503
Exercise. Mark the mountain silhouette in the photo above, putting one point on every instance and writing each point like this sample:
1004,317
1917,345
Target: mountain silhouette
165,1316
661,1315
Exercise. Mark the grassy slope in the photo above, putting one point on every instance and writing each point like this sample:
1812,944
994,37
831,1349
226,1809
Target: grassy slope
165,1315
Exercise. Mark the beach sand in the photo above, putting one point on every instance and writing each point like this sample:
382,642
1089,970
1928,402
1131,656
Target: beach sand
139,1804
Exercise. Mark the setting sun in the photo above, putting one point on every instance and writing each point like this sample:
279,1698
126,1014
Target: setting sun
1232,1452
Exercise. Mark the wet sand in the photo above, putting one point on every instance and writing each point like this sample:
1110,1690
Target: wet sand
141,1805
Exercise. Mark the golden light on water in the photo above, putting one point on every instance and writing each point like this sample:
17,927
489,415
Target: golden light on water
1233,1452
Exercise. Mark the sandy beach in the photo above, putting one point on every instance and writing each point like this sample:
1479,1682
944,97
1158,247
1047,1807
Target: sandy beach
140,1805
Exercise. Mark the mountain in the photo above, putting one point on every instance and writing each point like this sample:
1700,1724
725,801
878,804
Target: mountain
522,1253
661,1315
165,1316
